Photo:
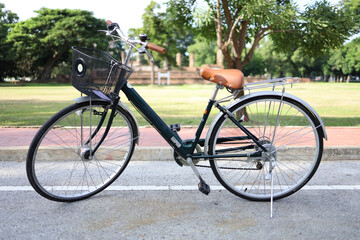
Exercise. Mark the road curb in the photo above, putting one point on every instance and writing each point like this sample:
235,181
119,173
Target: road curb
341,153
164,153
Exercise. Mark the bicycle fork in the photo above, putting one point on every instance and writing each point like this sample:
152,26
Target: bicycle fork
86,152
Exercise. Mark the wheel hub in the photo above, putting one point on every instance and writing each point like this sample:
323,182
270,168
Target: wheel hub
271,152
85,153
269,156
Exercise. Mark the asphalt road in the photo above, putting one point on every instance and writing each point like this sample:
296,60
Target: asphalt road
157,200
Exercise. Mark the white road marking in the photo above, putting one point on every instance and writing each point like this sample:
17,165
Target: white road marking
178,188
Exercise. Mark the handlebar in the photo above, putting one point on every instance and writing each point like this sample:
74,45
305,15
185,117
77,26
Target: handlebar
156,48
114,26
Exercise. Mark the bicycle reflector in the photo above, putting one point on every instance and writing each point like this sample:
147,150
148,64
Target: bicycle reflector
80,67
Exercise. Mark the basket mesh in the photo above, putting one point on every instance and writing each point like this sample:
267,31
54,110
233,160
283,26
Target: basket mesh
96,73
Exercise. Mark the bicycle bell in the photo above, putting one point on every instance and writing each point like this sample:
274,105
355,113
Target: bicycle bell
143,37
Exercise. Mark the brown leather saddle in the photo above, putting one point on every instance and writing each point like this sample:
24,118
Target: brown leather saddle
230,78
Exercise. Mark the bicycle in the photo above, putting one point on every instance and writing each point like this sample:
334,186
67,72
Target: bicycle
262,146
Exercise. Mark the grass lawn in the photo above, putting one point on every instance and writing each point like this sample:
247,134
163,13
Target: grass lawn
337,103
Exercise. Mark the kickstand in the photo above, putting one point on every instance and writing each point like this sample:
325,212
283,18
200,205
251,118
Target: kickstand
271,197
270,177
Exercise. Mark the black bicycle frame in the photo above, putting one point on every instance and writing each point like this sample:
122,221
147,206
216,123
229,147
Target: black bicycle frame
164,130
174,140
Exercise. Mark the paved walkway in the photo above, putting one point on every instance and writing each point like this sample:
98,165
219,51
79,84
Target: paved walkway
337,136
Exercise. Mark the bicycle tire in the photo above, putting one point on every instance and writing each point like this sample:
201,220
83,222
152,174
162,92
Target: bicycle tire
57,167
298,131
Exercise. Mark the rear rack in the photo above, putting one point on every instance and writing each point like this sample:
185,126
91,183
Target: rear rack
270,83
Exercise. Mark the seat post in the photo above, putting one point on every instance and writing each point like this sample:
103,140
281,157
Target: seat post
217,87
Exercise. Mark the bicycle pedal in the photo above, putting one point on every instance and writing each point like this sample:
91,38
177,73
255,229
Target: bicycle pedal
204,188
175,127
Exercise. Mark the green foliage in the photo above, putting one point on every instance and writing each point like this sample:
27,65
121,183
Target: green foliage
7,64
278,64
346,60
160,28
340,63
204,51
317,30
267,60
302,43
352,57
352,9
255,67
327,27
43,42
238,26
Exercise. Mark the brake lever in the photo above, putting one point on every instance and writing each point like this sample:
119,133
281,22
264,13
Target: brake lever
143,50
151,58
108,33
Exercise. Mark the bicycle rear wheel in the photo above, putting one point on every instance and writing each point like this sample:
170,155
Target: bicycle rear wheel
58,163
295,148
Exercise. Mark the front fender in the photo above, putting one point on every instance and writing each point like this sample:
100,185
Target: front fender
122,105
268,93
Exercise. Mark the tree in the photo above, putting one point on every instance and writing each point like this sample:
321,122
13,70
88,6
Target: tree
238,24
255,67
43,42
345,61
161,30
352,9
7,64
352,58
277,64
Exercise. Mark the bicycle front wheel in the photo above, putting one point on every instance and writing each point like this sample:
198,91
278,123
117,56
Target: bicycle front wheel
286,129
59,165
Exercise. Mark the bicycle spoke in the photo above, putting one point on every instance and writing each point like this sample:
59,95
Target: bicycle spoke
67,172
281,127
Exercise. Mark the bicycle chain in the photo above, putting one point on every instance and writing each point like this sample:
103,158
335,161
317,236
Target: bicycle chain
235,143
230,168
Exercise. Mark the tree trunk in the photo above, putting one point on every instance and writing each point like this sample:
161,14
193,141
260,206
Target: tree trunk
222,52
45,74
228,59
220,58
152,73
238,64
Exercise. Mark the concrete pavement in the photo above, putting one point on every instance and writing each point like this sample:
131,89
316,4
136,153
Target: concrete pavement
159,200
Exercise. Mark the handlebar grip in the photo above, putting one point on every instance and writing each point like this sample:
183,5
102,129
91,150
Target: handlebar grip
156,48
112,26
